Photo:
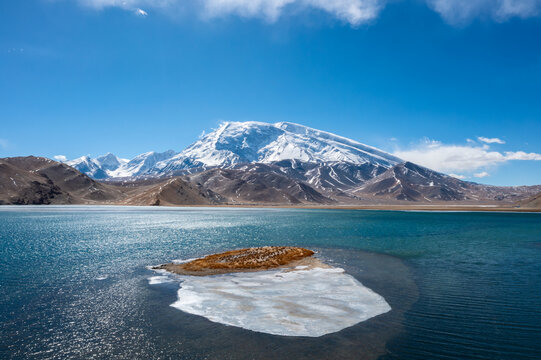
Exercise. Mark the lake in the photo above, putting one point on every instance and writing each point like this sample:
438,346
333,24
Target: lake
74,282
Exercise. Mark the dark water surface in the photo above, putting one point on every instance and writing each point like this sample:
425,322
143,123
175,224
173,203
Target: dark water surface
74,283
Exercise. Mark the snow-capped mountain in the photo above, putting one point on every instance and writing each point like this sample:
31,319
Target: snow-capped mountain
111,166
109,162
237,143
142,164
98,168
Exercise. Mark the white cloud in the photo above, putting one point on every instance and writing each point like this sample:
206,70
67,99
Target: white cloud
461,11
481,174
270,9
60,158
521,155
466,158
490,140
4,143
458,176
354,12
140,12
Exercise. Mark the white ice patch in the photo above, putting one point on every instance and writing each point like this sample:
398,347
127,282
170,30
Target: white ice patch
154,280
292,303
182,261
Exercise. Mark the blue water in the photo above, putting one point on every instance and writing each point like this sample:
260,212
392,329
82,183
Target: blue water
73,282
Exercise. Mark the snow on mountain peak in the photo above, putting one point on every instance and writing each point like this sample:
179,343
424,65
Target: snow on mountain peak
89,166
111,166
248,142
109,162
234,143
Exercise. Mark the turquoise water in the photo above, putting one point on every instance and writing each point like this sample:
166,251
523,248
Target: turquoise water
73,281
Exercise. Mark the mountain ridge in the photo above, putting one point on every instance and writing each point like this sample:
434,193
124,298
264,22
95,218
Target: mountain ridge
250,163
37,180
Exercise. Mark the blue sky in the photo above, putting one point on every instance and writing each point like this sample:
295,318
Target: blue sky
425,79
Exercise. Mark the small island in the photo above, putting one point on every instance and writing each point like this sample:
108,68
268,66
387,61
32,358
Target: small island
279,290
245,260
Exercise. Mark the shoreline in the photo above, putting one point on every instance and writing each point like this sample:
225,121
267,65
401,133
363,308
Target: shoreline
389,207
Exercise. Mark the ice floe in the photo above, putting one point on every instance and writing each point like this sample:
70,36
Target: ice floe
303,302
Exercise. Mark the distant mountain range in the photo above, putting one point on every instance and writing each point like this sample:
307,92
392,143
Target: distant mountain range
249,163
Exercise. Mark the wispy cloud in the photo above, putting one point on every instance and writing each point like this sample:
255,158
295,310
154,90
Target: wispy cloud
463,11
4,143
354,12
482,174
521,155
460,159
61,158
489,140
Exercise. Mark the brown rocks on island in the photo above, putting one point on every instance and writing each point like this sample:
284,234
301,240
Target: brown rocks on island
249,259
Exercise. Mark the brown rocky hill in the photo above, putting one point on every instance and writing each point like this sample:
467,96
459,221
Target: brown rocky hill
38,180
531,203
170,192
410,182
259,187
